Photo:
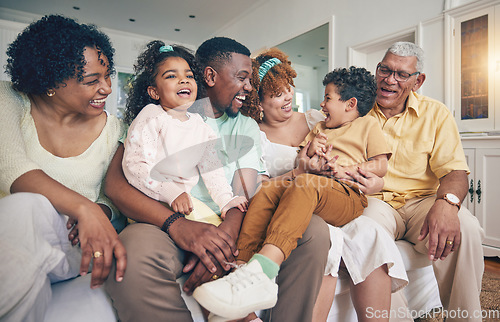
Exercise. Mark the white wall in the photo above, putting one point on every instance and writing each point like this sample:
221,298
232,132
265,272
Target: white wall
431,39
8,33
355,22
305,83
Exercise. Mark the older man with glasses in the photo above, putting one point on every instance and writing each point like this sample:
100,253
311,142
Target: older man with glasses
427,181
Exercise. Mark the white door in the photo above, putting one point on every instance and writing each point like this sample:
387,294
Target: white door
469,199
487,201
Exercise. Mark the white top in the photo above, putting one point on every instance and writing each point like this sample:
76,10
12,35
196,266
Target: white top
165,156
362,243
280,158
21,151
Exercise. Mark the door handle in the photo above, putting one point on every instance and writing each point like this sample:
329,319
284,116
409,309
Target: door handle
478,191
471,190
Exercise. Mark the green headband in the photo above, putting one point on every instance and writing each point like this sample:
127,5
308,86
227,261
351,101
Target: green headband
166,49
266,66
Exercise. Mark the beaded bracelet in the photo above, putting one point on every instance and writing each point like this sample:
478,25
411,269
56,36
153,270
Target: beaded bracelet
170,220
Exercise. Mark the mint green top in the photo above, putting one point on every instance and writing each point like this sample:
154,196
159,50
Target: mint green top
238,148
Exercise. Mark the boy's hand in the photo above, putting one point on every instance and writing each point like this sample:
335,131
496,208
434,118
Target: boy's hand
239,202
334,169
339,172
318,145
182,204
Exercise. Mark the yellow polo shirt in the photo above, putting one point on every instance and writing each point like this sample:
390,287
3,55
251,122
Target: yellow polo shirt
426,146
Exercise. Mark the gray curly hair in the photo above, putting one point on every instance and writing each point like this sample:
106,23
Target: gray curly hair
405,49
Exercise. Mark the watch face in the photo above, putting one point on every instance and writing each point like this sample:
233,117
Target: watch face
451,197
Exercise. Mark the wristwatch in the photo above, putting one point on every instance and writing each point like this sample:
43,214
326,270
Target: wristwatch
451,199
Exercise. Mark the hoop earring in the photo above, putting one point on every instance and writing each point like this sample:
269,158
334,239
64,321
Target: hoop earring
50,93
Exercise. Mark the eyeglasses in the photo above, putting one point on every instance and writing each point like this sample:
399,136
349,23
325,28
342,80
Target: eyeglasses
400,76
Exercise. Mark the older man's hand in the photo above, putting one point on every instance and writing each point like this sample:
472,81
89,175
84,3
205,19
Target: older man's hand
443,228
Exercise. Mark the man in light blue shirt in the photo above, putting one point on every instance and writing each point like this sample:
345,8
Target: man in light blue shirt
156,258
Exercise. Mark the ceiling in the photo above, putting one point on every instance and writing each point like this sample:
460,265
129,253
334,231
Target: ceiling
164,19
170,20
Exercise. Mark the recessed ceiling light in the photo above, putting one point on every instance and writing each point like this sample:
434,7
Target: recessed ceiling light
321,48
76,8
299,55
131,19
192,16
177,29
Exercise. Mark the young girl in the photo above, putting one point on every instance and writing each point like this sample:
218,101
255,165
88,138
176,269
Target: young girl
167,147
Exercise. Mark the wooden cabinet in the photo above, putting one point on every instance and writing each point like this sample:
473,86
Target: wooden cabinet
483,200
475,55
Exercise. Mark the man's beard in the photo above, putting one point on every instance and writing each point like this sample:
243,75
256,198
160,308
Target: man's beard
230,112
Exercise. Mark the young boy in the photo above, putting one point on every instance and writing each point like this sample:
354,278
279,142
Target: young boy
280,212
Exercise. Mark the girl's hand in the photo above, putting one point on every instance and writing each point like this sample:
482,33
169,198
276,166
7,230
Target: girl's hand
182,204
239,202
99,242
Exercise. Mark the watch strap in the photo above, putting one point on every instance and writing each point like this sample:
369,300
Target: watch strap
444,197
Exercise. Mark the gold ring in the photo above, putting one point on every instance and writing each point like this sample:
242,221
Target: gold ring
98,254
449,242
215,276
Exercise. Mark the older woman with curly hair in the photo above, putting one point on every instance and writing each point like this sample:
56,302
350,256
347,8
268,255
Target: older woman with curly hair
57,142
377,269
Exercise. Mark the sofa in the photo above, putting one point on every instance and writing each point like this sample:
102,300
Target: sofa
73,300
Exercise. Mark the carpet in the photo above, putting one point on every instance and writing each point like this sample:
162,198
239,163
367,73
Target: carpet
490,295
490,300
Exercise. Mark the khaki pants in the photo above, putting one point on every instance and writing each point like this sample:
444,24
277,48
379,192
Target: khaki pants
280,212
459,275
149,291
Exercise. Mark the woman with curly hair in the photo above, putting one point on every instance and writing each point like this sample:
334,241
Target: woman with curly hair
283,131
57,142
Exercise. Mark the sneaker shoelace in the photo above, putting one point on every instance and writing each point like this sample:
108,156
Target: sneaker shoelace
242,278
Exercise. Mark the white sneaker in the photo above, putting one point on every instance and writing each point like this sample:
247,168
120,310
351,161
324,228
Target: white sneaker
238,294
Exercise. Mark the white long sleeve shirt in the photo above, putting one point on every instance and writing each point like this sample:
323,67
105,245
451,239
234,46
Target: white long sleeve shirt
165,156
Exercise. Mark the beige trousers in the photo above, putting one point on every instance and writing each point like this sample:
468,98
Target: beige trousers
459,275
149,291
